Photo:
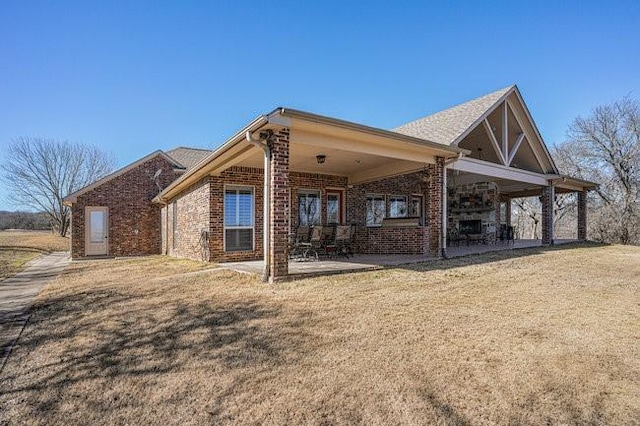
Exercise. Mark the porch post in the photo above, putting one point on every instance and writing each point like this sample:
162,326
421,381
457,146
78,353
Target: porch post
548,195
507,209
279,209
582,215
436,206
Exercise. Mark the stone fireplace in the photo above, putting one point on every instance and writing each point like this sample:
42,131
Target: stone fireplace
472,208
470,226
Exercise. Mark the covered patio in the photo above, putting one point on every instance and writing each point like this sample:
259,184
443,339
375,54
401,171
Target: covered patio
371,262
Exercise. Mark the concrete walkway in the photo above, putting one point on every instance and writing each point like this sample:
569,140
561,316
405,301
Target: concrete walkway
17,293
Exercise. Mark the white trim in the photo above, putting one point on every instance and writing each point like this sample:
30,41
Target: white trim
516,146
73,197
475,124
505,132
494,141
530,139
87,230
486,168
535,129
238,187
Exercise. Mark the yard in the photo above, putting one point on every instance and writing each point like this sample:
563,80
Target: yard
19,247
530,337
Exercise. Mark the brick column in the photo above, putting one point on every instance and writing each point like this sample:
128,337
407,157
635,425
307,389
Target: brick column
582,215
436,194
548,195
279,227
507,210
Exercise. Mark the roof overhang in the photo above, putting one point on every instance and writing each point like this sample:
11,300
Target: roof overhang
325,133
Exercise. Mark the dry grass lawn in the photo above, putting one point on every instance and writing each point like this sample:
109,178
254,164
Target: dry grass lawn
39,240
533,337
19,247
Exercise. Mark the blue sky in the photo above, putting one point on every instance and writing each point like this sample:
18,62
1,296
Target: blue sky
132,77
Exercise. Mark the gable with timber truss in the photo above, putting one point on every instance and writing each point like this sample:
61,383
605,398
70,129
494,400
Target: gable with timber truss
497,128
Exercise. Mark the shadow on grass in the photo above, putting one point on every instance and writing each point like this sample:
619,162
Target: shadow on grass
492,256
110,335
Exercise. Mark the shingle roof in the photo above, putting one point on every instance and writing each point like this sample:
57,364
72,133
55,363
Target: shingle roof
446,126
188,157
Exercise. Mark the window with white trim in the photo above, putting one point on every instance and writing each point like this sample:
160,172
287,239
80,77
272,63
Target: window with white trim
309,208
375,209
238,218
397,206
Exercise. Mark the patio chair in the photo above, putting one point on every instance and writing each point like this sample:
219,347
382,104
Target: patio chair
344,240
299,242
453,237
506,233
328,240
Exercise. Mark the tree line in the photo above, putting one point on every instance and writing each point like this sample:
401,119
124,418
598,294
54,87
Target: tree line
24,220
603,147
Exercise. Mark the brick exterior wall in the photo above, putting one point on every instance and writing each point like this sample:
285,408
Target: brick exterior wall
548,195
192,223
582,215
235,176
410,240
133,221
377,240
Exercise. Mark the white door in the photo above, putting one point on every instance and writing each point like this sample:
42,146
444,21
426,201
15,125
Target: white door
97,235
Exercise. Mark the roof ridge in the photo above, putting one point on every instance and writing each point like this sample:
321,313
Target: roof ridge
188,147
504,89
447,125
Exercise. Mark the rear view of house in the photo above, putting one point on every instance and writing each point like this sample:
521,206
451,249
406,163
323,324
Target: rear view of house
403,191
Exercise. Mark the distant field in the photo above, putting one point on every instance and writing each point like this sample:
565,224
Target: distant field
19,247
39,240
529,337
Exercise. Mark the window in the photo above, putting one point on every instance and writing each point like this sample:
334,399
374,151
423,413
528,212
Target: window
238,218
397,206
309,208
375,209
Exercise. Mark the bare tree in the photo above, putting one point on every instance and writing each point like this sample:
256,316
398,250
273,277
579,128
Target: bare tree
39,173
605,148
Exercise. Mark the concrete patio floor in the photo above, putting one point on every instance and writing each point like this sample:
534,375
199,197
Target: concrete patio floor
365,262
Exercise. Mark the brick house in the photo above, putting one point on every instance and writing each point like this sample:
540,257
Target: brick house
456,169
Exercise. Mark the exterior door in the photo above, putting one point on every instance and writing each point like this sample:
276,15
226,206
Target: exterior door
335,208
96,232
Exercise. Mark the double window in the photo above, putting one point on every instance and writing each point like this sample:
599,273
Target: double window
238,218
309,208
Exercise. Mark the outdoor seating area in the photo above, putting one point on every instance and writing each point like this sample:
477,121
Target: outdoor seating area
310,243
504,235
